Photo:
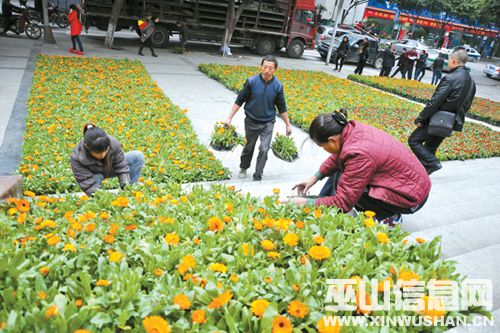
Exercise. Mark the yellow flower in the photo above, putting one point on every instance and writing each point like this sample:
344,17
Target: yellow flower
369,222
317,213
247,250
267,245
276,190
291,239
69,247
198,317
90,227
22,205
329,327
51,311
297,309
282,324
79,303
189,261
53,240
408,275
29,194
382,237
120,202
215,267
102,283
44,270
318,240
172,239
433,308
268,279
155,324
369,214
273,254
158,272
319,252
234,278
220,300
182,301
215,224
258,307
109,239
82,331
296,287
104,215
115,257
420,240
42,294
300,224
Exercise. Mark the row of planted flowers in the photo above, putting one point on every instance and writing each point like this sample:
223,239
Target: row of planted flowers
481,109
120,97
310,93
156,258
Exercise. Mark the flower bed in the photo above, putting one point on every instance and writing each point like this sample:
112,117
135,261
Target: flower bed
157,257
120,97
310,93
481,109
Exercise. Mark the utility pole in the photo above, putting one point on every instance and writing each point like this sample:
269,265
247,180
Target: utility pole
338,12
48,36
113,21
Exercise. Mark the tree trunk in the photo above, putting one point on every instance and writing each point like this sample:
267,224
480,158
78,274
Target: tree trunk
113,21
48,37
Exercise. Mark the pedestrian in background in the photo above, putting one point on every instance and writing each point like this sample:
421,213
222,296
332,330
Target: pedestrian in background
261,94
420,65
147,28
76,29
388,60
7,16
454,94
437,69
411,56
402,64
341,53
363,56
183,33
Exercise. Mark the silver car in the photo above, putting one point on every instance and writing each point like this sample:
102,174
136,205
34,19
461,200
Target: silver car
408,44
325,33
492,70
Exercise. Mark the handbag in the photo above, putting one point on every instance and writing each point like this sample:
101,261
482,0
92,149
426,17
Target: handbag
441,124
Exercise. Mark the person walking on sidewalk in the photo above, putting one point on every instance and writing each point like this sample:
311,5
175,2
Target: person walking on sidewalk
7,16
341,53
454,94
147,28
411,57
368,170
261,94
437,69
363,56
99,156
76,29
402,65
420,66
388,59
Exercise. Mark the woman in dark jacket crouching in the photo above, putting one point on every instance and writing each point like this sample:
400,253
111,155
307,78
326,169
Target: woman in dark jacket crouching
99,156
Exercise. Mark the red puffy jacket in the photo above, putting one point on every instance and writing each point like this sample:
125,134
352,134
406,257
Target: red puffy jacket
372,158
76,26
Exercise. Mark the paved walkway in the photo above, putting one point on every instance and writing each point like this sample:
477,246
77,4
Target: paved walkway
462,209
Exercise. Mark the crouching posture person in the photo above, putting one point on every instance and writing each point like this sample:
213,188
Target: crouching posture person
368,170
99,156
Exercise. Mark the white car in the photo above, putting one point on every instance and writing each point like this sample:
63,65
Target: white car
433,54
492,70
473,55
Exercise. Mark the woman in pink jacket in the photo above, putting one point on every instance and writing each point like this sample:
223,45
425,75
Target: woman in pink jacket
76,29
368,170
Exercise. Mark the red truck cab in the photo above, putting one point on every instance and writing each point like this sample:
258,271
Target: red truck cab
303,23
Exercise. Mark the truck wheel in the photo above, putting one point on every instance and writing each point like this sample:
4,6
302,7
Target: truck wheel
295,49
265,46
160,37
378,62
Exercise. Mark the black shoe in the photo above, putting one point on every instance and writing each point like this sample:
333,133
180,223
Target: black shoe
154,55
432,169
140,53
257,178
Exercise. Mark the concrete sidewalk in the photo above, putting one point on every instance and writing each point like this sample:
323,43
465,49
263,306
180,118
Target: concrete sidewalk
463,207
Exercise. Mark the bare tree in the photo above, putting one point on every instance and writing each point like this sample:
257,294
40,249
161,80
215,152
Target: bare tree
352,4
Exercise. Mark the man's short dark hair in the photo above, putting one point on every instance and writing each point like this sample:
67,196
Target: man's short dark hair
270,58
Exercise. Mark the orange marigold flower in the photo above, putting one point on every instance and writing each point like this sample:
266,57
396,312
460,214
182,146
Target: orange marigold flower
182,268
79,303
382,284
172,239
215,224
291,239
131,227
102,283
81,330
113,228
282,324
296,287
331,326
298,309
267,245
182,301
227,219
120,202
104,215
234,278
317,213
158,272
220,300
319,252
318,240
51,311
382,237
268,279
257,225
89,227
189,261
420,240
433,308
196,241
300,224
53,240
156,324
29,194
42,294
109,239
198,317
258,307
22,205
44,270
273,254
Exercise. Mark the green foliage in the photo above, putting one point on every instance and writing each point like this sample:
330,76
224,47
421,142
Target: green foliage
284,147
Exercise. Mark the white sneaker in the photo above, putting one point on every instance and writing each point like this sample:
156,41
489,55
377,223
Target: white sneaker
243,173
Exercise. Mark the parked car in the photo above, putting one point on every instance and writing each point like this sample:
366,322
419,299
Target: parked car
355,40
473,55
492,70
325,32
409,44
433,54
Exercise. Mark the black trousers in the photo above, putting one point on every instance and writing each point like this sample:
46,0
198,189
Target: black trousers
382,209
361,66
342,59
424,146
401,70
147,43
7,22
409,72
253,131
385,71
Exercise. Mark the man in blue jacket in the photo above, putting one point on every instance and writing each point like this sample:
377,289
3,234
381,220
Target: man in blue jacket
262,94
